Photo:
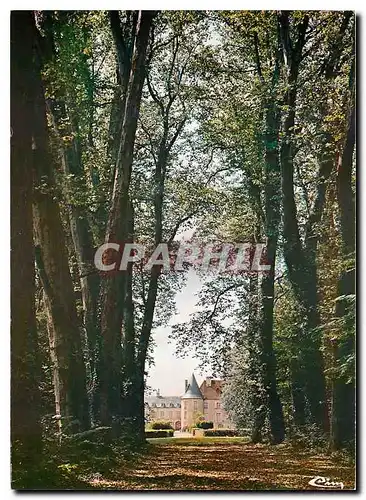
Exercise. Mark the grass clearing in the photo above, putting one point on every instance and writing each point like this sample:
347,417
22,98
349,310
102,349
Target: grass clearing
198,441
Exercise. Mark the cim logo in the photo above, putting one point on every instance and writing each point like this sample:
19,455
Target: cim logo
325,482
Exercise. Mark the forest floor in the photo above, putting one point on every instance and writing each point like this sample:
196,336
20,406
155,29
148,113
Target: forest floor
220,464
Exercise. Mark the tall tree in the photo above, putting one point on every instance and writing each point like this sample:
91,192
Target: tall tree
343,411
272,214
63,35
161,156
52,262
25,397
117,228
301,250
301,269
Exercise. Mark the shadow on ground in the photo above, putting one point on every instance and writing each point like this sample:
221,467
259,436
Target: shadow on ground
201,465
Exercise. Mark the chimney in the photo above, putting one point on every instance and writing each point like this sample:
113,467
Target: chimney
185,385
208,381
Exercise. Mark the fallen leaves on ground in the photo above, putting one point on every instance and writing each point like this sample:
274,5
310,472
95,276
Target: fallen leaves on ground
201,464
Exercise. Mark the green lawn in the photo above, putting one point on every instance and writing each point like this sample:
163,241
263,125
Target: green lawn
197,441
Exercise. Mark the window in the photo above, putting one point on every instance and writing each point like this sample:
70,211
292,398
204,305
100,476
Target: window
218,417
205,405
162,413
195,403
170,415
218,405
185,415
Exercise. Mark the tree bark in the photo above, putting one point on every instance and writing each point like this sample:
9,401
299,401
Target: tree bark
272,220
113,293
297,385
343,407
257,397
81,233
145,334
124,38
302,272
55,275
80,229
272,175
26,439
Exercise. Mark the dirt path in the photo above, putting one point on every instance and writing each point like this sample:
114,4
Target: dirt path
189,464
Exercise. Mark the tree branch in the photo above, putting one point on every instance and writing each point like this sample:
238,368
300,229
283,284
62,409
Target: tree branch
154,95
257,57
179,223
176,134
231,287
146,131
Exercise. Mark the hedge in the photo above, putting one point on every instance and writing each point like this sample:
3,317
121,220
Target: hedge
160,424
205,425
220,432
163,433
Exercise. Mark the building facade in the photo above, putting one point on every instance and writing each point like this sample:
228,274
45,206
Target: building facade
163,408
196,402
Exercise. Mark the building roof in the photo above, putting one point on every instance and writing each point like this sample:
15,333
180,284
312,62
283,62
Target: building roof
163,402
192,391
211,388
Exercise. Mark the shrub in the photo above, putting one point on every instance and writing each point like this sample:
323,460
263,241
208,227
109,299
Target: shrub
220,433
161,424
244,432
205,425
160,433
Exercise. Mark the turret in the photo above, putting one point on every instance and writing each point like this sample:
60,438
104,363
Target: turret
191,402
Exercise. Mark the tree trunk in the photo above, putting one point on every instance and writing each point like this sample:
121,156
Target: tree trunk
272,220
297,386
81,232
130,391
51,339
343,408
26,439
124,38
71,159
161,163
55,273
253,344
144,344
302,273
114,286
145,333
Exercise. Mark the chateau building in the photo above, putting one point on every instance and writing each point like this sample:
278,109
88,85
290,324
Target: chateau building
183,411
